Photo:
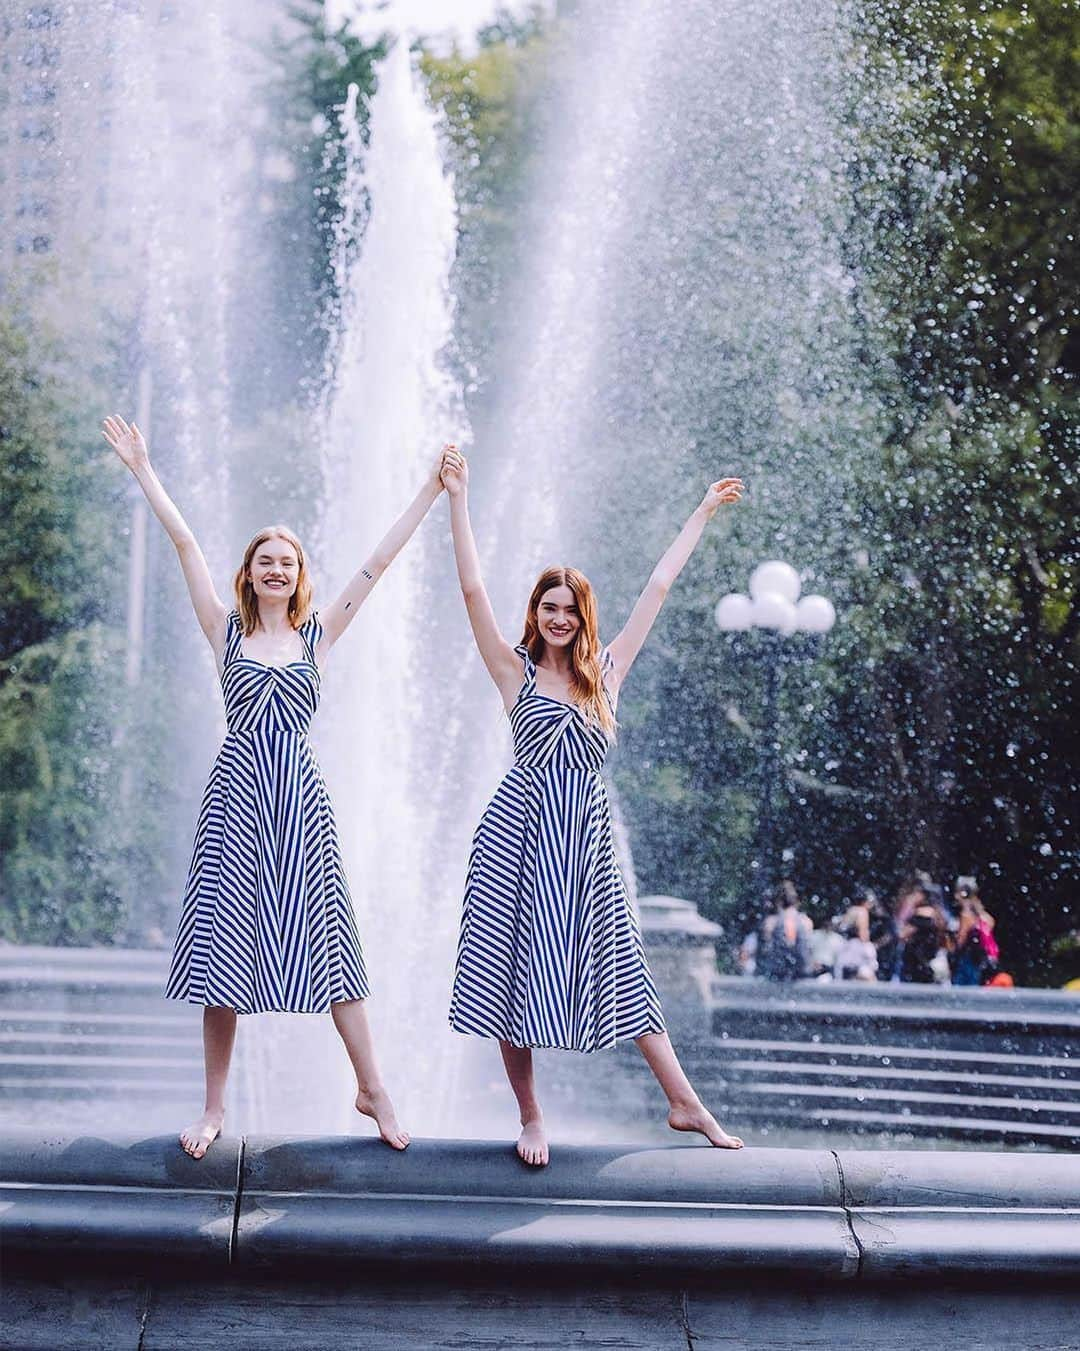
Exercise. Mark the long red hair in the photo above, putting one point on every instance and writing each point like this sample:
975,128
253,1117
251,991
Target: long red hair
586,679
247,602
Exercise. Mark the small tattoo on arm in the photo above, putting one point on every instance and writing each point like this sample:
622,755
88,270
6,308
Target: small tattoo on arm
348,605
367,574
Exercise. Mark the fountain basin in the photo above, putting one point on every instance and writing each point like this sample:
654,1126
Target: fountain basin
309,1205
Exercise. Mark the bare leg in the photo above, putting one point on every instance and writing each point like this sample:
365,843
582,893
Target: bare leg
532,1145
687,1112
372,1099
219,1033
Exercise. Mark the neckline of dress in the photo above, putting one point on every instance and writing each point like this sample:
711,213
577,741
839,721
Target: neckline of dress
524,693
275,665
241,655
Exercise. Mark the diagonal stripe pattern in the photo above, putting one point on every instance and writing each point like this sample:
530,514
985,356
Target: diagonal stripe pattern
550,953
267,922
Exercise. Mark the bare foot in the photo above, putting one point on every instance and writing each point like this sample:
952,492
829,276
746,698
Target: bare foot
694,1117
532,1145
197,1139
378,1106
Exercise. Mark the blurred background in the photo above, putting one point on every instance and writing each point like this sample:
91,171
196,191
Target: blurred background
616,248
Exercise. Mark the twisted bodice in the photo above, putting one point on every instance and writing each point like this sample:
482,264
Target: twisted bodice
551,734
262,698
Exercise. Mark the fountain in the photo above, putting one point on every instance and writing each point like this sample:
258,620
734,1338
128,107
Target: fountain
387,408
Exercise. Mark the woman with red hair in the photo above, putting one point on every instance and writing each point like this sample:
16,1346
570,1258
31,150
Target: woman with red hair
267,922
550,954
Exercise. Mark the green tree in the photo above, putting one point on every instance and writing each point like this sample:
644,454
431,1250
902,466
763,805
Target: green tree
59,868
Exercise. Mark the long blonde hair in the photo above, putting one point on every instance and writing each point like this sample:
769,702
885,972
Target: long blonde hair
247,602
586,678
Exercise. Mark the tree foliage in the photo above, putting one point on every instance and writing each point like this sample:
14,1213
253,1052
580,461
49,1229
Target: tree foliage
59,664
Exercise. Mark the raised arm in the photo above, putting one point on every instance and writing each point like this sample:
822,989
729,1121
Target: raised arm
209,608
627,645
339,614
503,663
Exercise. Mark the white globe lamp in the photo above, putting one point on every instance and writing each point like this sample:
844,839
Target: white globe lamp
774,611
815,614
734,613
775,578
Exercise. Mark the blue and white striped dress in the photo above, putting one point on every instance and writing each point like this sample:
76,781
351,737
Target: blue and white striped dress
267,923
550,952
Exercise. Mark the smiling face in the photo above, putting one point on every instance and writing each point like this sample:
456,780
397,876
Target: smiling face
274,569
558,616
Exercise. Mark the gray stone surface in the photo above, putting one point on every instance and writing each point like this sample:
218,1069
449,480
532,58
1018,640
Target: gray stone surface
685,1172
916,1317
935,1244
967,1179
76,1312
304,1205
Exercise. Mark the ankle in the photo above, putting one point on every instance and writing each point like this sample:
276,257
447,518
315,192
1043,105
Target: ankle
685,1103
370,1091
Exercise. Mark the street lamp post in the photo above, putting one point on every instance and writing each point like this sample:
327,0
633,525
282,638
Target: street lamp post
774,608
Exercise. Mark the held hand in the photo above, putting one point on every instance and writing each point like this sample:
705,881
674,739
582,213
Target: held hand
435,476
126,441
455,471
720,493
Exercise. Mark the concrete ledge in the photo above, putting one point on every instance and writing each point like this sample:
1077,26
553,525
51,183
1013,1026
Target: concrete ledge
308,1205
964,1214
473,1204
91,1199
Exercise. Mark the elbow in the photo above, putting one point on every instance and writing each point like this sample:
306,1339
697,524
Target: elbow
471,590
660,583
185,542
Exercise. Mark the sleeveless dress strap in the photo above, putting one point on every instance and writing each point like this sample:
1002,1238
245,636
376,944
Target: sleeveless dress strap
529,681
234,637
312,631
607,665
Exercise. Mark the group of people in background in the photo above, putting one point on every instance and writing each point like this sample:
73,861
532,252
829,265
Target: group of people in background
922,939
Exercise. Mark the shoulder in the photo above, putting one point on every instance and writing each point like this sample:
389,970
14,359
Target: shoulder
609,674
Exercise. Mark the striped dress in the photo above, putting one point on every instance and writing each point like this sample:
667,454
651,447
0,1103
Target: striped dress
550,952
267,923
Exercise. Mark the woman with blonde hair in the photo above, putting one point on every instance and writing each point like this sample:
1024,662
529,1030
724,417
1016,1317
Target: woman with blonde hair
550,954
267,922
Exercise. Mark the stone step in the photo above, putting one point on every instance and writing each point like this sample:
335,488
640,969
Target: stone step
24,1068
812,1097
960,1080
127,997
45,1045
38,957
1022,1004
1048,1135
888,1054
139,1087
164,1017
969,1035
